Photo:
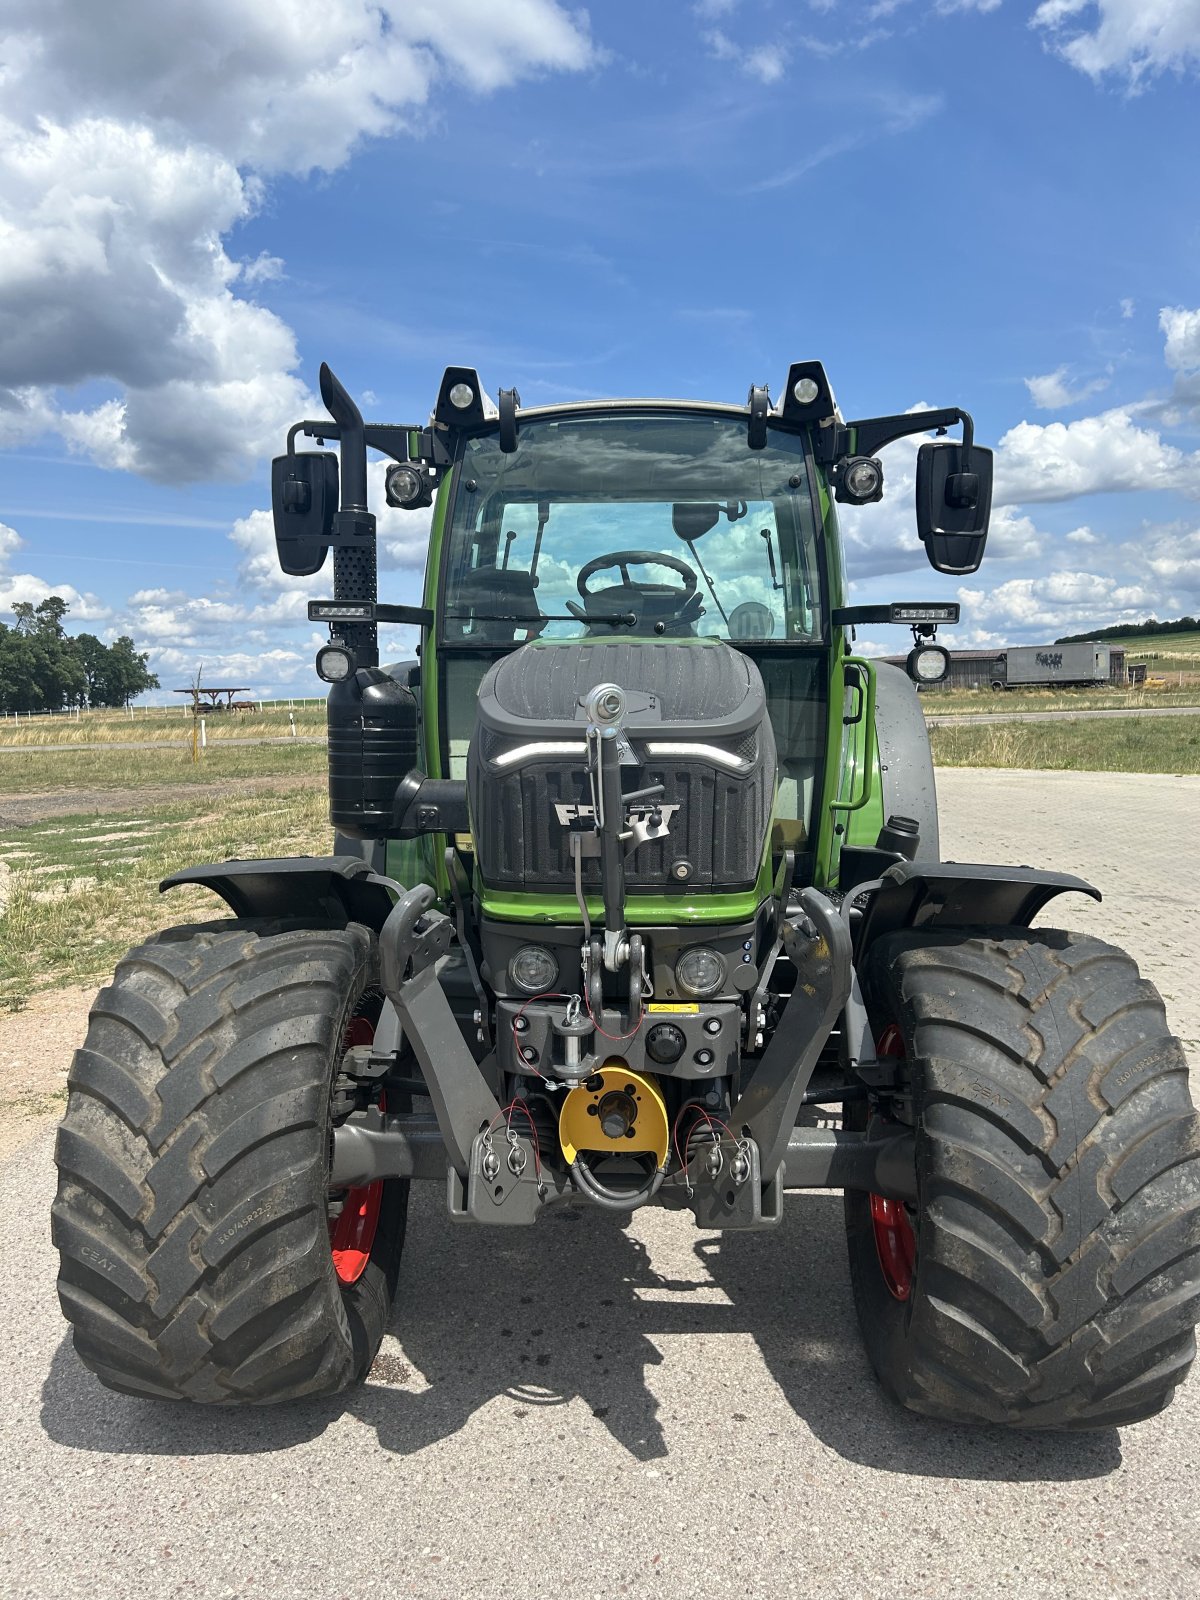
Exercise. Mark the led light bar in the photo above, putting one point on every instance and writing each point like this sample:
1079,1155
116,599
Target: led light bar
699,752
341,611
539,749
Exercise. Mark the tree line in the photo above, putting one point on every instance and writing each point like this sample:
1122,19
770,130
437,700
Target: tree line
1134,630
44,668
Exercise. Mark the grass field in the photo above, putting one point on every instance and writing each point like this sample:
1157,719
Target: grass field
76,892
153,722
97,766
1116,744
958,702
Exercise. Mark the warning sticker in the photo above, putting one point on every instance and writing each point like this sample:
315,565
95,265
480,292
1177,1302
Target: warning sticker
673,1011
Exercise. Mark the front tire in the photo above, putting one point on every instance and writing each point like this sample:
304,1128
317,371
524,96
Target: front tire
1053,1279
193,1215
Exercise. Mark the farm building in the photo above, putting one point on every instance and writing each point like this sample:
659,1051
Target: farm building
979,669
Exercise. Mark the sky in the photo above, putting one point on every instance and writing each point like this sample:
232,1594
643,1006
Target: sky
983,203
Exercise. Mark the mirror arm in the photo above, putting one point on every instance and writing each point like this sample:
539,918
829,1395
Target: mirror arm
871,434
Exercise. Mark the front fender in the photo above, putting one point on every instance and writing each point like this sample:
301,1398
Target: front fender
321,889
947,894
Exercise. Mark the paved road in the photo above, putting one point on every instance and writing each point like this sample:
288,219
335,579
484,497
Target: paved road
956,719
592,1409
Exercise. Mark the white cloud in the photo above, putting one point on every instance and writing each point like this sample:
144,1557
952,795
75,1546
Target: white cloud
1057,602
134,139
1082,536
1052,391
24,586
10,540
1095,455
263,269
1127,308
1182,328
1137,39
280,85
766,62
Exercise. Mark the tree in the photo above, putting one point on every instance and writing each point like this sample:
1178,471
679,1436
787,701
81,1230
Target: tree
44,668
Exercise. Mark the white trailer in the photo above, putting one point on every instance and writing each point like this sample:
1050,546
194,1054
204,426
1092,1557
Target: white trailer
1053,665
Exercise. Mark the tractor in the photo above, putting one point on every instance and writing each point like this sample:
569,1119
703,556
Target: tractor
635,898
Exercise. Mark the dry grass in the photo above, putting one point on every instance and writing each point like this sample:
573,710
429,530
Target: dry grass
103,766
1116,744
153,722
79,891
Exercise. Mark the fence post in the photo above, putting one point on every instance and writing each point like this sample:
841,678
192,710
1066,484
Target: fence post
292,723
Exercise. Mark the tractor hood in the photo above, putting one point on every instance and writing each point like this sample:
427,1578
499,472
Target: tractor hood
696,722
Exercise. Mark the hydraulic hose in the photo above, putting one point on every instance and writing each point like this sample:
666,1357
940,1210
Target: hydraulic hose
612,1199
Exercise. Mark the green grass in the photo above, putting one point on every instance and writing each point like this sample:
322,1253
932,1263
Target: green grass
103,767
981,702
1116,744
79,891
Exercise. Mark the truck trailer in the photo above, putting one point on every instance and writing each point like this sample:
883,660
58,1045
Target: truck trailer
1053,666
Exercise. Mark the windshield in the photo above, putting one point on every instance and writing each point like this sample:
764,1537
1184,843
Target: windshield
633,523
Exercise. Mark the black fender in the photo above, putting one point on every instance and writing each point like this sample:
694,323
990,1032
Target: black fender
950,894
906,780
320,889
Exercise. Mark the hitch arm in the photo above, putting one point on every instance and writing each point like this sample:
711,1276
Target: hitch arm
818,943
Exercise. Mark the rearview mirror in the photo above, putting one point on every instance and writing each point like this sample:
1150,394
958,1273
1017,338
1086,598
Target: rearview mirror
692,520
304,497
954,502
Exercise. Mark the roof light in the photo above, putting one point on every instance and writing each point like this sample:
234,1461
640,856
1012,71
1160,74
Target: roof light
462,395
806,391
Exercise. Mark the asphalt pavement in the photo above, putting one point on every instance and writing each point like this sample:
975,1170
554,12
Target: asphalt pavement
590,1409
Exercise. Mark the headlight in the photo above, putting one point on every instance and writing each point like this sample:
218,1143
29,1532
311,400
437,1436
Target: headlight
806,391
700,971
928,663
334,663
861,481
404,486
462,395
533,969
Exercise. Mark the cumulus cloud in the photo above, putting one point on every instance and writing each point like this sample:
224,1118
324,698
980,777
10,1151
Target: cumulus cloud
1058,602
135,136
1182,328
1104,454
1052,391
1134,39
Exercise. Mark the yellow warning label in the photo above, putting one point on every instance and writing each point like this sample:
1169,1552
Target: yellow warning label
673,1011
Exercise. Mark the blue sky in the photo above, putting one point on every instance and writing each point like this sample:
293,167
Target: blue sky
985,204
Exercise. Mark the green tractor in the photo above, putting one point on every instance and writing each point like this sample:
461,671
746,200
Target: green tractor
636,899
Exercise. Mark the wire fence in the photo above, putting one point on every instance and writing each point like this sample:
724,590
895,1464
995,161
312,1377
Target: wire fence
83,713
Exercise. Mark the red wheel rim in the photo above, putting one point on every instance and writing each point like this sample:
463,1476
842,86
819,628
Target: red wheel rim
352,1235
895,1242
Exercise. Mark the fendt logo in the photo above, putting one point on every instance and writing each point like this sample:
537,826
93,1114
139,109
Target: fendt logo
641,812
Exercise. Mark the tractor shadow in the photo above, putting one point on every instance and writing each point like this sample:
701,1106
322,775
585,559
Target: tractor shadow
527,1321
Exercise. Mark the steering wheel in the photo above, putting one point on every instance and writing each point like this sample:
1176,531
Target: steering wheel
624,559
654,602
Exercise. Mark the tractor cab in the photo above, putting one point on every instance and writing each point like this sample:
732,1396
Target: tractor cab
640,522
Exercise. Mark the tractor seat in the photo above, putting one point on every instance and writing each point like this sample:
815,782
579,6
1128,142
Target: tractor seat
501,602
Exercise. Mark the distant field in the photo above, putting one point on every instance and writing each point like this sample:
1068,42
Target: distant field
1116,744
154,722
981,701
1169,644
99,766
